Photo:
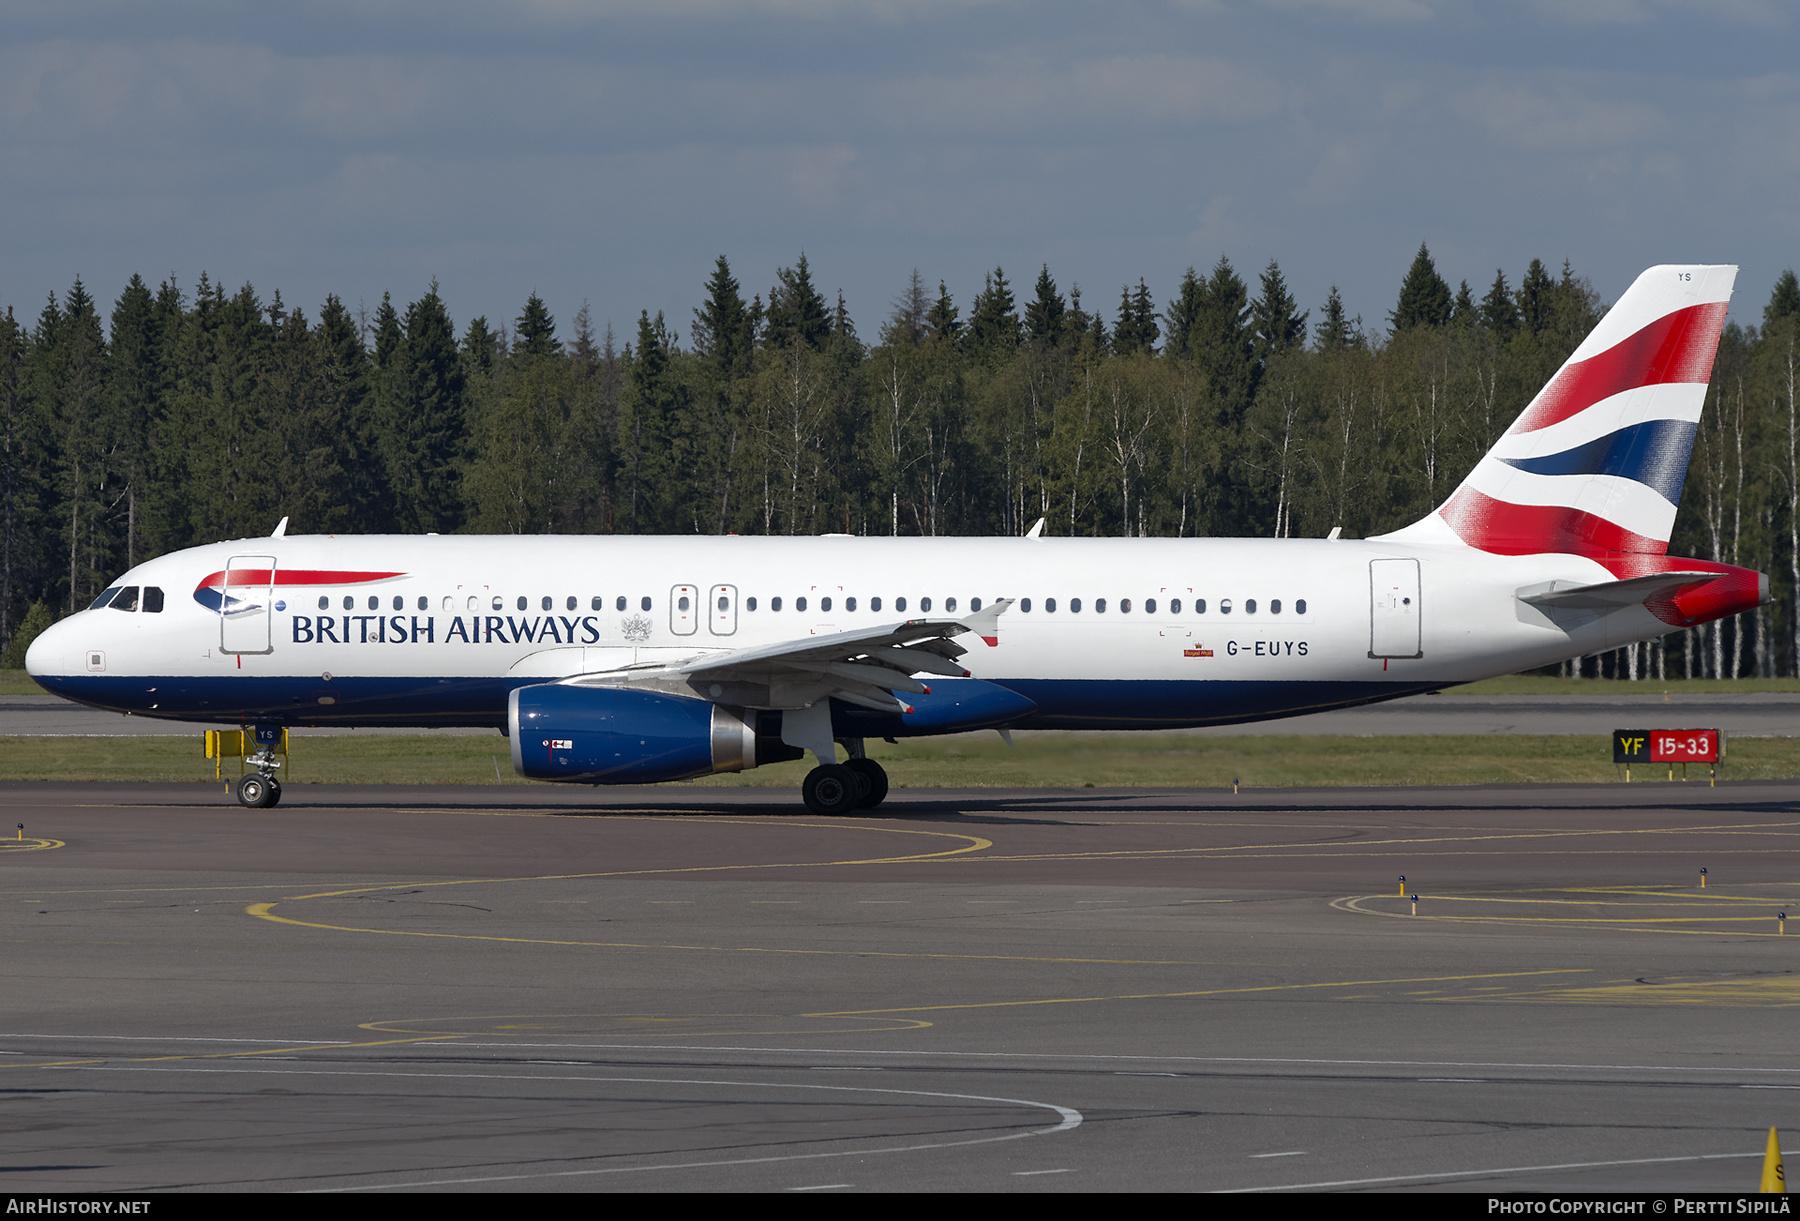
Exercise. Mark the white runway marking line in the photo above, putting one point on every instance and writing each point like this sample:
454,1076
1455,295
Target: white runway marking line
820,1187
1070,1119
1481,1174
1289,1153
1025,1174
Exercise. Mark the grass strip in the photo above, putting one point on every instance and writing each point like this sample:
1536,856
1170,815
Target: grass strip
1069,760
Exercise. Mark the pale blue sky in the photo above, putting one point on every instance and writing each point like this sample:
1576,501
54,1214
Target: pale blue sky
610,151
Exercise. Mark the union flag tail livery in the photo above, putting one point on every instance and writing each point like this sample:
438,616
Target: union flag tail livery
1594,466
614,660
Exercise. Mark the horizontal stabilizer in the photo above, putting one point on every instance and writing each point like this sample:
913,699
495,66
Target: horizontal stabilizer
1614,595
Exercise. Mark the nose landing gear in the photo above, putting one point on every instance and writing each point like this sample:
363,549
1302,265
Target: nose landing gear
260,790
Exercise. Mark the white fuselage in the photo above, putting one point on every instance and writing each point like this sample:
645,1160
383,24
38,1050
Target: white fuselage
437,630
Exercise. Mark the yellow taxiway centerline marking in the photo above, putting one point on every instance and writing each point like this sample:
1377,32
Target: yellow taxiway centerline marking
263,911
223,1055
1157,996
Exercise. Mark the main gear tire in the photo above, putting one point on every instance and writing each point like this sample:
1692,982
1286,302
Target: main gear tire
831,790
874,777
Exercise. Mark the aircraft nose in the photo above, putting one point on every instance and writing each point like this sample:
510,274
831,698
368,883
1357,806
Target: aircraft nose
44,659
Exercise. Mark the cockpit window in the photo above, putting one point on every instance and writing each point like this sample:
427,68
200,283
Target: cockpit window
127,599
153,600
106,595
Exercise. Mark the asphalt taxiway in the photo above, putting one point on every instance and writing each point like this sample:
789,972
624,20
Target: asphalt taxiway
414,988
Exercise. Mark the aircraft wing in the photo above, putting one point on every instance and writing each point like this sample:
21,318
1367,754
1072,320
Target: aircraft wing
868,667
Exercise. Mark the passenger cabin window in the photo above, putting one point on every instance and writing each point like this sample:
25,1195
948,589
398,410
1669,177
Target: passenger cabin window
1025,605
499,603
875,603
1074,606
324,601
1124,606
1199,606
349,602
900,604
849,604
799,604
400,602
374,601
1099,606
153,600
547,603
775,603
107,595
681,603
825,604
1174,606
571,603
425,603
1049,606
597,603
1249,606
1224,606
925,605
127,599
1274,606
1149,606
950,606
620,603
749,603
644,603
974,604
1300,606
522,603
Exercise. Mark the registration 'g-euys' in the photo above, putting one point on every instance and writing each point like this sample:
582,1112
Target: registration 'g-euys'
613,660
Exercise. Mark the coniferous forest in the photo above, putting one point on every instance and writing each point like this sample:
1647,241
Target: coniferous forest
181,415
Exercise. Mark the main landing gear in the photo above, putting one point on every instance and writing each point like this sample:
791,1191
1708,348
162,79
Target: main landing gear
839,788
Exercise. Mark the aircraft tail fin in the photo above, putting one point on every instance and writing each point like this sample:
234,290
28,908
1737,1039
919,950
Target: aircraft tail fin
1594,465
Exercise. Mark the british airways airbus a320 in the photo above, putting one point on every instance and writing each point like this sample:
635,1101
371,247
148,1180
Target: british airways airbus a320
626,660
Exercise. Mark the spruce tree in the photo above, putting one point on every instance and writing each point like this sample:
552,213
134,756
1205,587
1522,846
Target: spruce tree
942,320
1463,311
1534,298
1784,301
1044,315
908,325
721,332
1424,296
1334,333
1499,313
1222,341
1125,332
534,331
1184,314
796,310
1272,315
994,331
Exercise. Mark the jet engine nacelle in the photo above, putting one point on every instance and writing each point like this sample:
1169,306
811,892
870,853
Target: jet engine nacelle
608,735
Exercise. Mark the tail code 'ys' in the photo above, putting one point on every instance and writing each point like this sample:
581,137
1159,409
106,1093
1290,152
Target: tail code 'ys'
1595,464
